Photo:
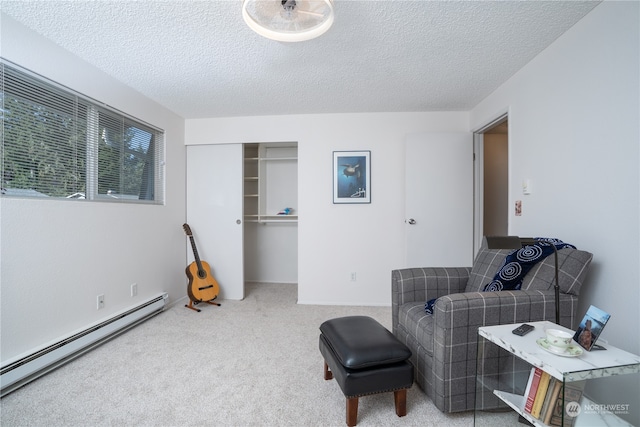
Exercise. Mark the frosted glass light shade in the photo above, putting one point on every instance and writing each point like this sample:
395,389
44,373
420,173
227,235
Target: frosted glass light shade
288,20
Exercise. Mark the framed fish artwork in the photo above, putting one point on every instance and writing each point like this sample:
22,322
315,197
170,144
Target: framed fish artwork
352,177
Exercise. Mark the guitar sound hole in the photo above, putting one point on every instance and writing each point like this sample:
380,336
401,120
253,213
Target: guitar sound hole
202,274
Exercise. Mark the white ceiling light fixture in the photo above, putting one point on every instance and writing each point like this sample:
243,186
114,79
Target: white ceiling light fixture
288,20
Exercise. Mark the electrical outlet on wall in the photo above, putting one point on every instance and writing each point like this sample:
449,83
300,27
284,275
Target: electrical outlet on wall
134,289
100,301
353,276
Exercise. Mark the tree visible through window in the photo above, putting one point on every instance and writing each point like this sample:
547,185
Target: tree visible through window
57,144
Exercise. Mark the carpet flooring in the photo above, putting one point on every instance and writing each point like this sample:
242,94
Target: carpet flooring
253,362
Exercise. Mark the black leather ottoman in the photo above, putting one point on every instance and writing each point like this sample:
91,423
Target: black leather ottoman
365,358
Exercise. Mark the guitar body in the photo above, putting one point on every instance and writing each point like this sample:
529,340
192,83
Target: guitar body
202,285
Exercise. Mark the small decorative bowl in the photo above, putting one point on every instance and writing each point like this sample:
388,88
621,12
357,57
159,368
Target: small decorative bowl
559,339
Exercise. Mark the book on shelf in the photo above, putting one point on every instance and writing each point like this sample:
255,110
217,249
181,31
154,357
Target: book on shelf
550,403
541,394
570,392
528,387
531,396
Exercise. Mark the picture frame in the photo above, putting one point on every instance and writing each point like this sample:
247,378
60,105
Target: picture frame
590,328
352,177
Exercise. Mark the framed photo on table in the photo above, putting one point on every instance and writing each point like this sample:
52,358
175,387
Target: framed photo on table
352,177
590,328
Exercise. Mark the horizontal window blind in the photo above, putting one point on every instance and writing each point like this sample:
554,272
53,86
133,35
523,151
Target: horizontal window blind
60,144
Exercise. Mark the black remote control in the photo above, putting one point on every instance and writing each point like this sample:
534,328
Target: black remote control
523,329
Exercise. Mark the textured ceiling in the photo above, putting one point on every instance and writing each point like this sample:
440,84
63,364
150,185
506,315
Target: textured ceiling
199,59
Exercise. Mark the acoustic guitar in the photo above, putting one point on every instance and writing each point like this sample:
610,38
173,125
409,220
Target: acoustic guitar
202,286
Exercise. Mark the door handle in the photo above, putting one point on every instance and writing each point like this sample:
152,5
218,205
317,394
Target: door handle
411,221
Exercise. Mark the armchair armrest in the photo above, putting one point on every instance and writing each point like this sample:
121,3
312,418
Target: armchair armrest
457,317
423,284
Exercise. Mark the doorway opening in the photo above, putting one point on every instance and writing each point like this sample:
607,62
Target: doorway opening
491,175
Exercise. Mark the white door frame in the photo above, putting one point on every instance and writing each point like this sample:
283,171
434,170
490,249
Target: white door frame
478,190
478,179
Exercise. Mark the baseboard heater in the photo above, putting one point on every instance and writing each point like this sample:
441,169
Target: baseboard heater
19,372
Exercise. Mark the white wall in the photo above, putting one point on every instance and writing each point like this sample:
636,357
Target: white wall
271,252
57,256
574,131
335,240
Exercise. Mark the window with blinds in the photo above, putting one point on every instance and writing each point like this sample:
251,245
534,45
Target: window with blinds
60,144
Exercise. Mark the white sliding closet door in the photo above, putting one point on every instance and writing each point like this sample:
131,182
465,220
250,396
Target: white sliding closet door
215,212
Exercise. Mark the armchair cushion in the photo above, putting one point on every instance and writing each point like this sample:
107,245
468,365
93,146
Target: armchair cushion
415,319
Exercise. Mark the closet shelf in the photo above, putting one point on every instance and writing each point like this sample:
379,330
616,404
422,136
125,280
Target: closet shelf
265,219
266,159
270,182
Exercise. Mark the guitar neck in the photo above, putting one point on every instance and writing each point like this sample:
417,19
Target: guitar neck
195,253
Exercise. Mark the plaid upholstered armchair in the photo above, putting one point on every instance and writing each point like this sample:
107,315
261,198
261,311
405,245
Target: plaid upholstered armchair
444,343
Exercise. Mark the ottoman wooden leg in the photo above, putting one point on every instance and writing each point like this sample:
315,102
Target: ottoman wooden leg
400,397
352,411
328,375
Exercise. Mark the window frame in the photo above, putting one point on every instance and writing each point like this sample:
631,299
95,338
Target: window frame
88,137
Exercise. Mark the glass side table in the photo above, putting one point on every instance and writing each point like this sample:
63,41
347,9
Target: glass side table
505,362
